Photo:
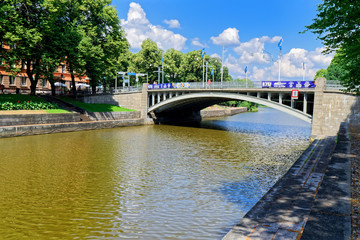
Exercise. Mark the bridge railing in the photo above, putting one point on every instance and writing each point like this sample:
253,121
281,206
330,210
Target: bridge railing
226,85
235,85
334,85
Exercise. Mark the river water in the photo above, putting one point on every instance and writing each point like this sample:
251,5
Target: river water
147,182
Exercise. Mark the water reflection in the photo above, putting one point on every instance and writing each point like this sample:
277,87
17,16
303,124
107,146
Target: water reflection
150,182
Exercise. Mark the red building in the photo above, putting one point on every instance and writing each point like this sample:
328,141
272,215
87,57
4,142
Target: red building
21,82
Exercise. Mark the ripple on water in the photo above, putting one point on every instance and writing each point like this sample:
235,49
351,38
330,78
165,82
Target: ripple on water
150,182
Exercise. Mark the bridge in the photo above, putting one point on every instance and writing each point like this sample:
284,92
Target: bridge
183,102
325,106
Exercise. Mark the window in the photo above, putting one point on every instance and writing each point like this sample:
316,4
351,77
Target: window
11,80
63,69
44,82
23,81
12,46
1,78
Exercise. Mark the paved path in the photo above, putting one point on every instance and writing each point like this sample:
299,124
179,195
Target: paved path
311,201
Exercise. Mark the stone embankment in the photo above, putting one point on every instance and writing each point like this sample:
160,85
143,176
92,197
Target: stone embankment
23,123
217,111
311,201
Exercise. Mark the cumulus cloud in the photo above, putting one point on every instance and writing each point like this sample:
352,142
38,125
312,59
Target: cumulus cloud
228,37
138,28
196,42
291,65
173,23
253,50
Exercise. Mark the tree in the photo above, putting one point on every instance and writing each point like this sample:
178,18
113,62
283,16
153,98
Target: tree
320,73
147,60
103,45
21,27
191,67
172,63
337,25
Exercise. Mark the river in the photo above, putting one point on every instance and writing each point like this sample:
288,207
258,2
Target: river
147,182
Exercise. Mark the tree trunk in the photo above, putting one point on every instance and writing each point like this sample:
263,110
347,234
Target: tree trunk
52,84
33,81
73,90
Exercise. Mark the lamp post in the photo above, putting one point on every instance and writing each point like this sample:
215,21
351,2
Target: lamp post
280,48
271,62
222,66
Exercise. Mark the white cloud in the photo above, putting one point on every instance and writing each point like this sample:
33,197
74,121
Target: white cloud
252,55
196,42
215,55
173,23
253,50
228,37
138,28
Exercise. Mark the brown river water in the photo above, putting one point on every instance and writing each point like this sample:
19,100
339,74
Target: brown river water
147,182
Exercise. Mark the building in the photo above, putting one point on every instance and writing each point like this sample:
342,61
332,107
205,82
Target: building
21,83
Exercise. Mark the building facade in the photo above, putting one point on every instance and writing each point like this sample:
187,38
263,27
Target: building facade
21,83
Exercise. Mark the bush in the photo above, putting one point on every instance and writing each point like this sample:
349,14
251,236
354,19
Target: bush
27,105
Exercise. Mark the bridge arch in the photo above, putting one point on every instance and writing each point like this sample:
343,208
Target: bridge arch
192,103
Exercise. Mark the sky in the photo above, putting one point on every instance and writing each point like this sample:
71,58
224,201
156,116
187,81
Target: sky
249,31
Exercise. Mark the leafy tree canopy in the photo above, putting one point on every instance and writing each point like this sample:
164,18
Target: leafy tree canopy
337,24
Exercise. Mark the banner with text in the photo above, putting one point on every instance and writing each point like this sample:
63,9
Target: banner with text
288,84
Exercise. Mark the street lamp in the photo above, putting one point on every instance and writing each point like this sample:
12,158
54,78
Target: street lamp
271,62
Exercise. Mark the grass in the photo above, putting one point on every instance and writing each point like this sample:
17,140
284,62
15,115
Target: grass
57,111
96,107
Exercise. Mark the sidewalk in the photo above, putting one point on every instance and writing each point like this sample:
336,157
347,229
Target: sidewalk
312,200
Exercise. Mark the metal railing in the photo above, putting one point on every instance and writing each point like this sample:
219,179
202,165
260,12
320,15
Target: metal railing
334,85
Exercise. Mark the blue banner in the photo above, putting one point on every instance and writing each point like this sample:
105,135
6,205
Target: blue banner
288,84
160,86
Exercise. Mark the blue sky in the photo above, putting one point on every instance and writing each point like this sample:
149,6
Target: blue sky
245,28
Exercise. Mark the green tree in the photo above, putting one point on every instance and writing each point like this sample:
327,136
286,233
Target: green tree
147,60
103,45
191,67
21,27
172,63
320,73
337,25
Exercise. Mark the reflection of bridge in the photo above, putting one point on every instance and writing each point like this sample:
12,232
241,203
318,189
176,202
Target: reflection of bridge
181,104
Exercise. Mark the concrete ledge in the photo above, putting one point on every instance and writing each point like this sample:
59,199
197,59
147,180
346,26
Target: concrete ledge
103,116
25,130
209,113
43,118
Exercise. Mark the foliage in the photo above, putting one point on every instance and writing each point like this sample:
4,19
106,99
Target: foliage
251,107
95,107
24,102
320,73
337,25
85,34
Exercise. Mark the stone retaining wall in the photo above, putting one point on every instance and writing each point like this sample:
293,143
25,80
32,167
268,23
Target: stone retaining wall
30,119
102,116
221,112
25,130
331,108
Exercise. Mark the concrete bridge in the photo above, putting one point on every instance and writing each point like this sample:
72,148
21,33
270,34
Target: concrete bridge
323,106
184,104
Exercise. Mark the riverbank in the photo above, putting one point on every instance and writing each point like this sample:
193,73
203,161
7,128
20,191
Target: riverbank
28,122
221,111
318,198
